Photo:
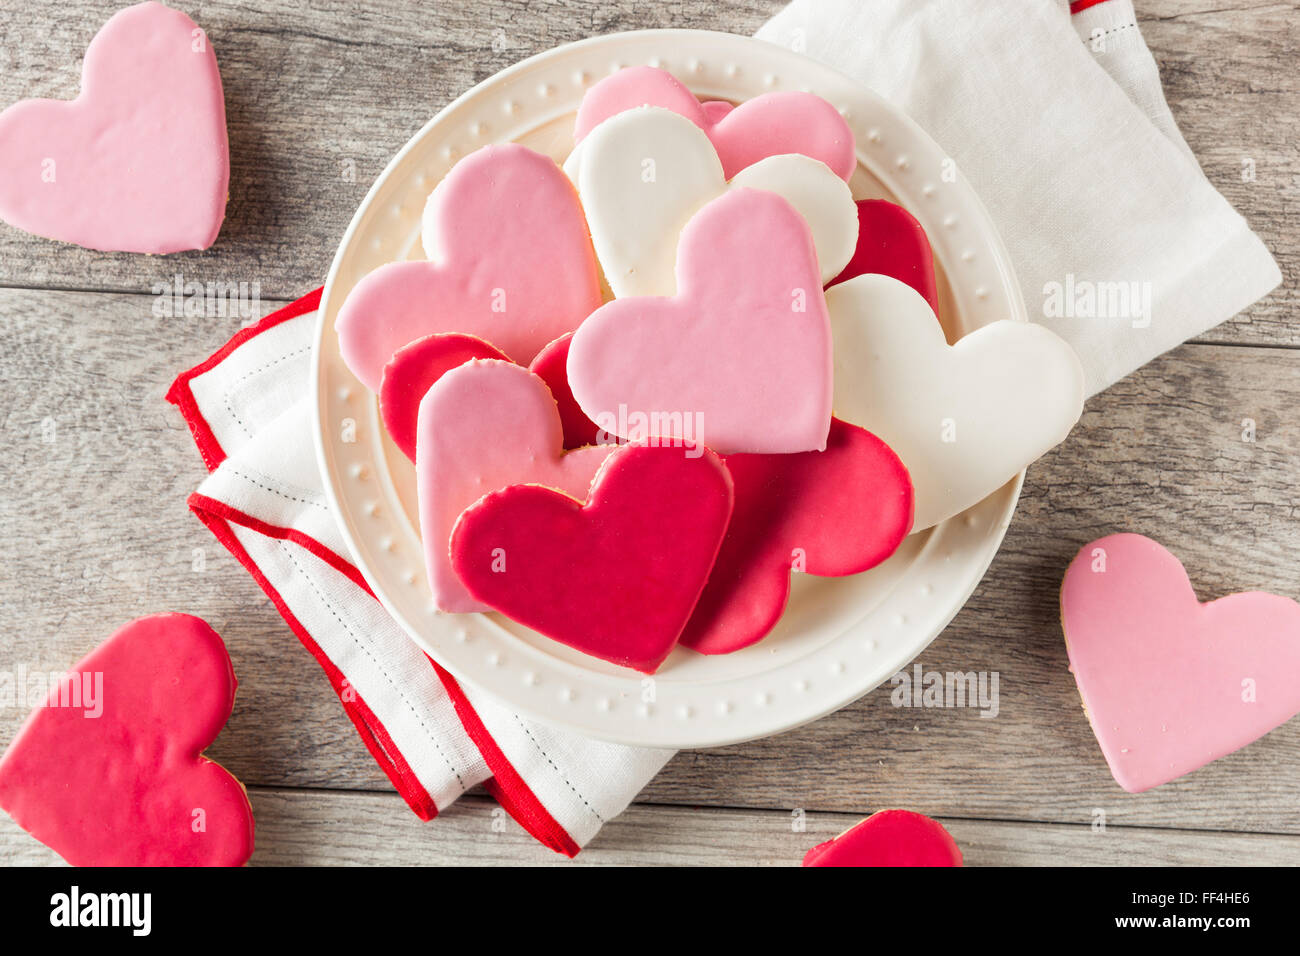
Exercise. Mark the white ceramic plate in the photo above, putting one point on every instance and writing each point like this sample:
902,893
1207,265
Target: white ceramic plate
840,637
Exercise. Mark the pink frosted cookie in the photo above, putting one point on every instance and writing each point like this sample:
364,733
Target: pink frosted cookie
1169,683
891,242
510,261
830,513
108,772
889,838
415,368
739,359
643,543
138,162
483,426
773,124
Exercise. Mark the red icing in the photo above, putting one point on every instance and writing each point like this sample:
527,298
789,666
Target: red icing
616,578
845,509
889,838
412,371
891,242
123,788
552,366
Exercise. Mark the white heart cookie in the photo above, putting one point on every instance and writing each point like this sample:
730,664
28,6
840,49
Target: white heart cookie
964,418
644,173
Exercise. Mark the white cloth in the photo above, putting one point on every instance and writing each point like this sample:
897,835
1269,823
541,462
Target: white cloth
267,491
1063,130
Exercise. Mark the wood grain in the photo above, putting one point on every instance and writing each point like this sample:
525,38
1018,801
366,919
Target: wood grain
98,532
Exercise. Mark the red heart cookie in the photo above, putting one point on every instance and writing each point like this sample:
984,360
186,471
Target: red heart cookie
139,161
108,771
643,543
891,242
415,368
889,838
510,261
829,513
1169,683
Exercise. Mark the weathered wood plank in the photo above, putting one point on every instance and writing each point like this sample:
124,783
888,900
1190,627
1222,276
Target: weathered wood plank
100,534
297,827
346,88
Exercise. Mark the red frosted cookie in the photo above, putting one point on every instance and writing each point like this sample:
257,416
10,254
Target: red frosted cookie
643,543
552,365
415,368
891,242
889,838
829,513
109,772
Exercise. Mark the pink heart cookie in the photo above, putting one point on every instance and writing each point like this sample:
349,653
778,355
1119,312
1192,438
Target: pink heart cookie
891,242
773,124
139,161
889,838
739,359
108,771
829,513
1169,683
511,262
643,543
482,427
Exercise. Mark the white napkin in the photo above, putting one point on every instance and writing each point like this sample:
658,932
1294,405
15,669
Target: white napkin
1061,126
249,410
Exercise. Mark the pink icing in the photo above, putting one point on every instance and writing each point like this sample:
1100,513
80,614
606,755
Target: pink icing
483,426
411,372
743,349
128,787
891,242
514,266
769,125
138,162
833,512
1169,683
889,838
642,546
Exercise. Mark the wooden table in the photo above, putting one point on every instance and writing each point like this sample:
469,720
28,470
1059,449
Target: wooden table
96,531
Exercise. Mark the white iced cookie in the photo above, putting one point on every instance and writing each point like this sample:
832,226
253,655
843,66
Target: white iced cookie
964,418
644,173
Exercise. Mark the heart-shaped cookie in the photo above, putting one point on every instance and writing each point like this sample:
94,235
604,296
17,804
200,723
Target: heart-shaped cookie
139,161
510,262
966,418
891,242
889,838
642,544
483,426
773,124
829,513
643,174
415,368
739,359
108,771
1169,683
